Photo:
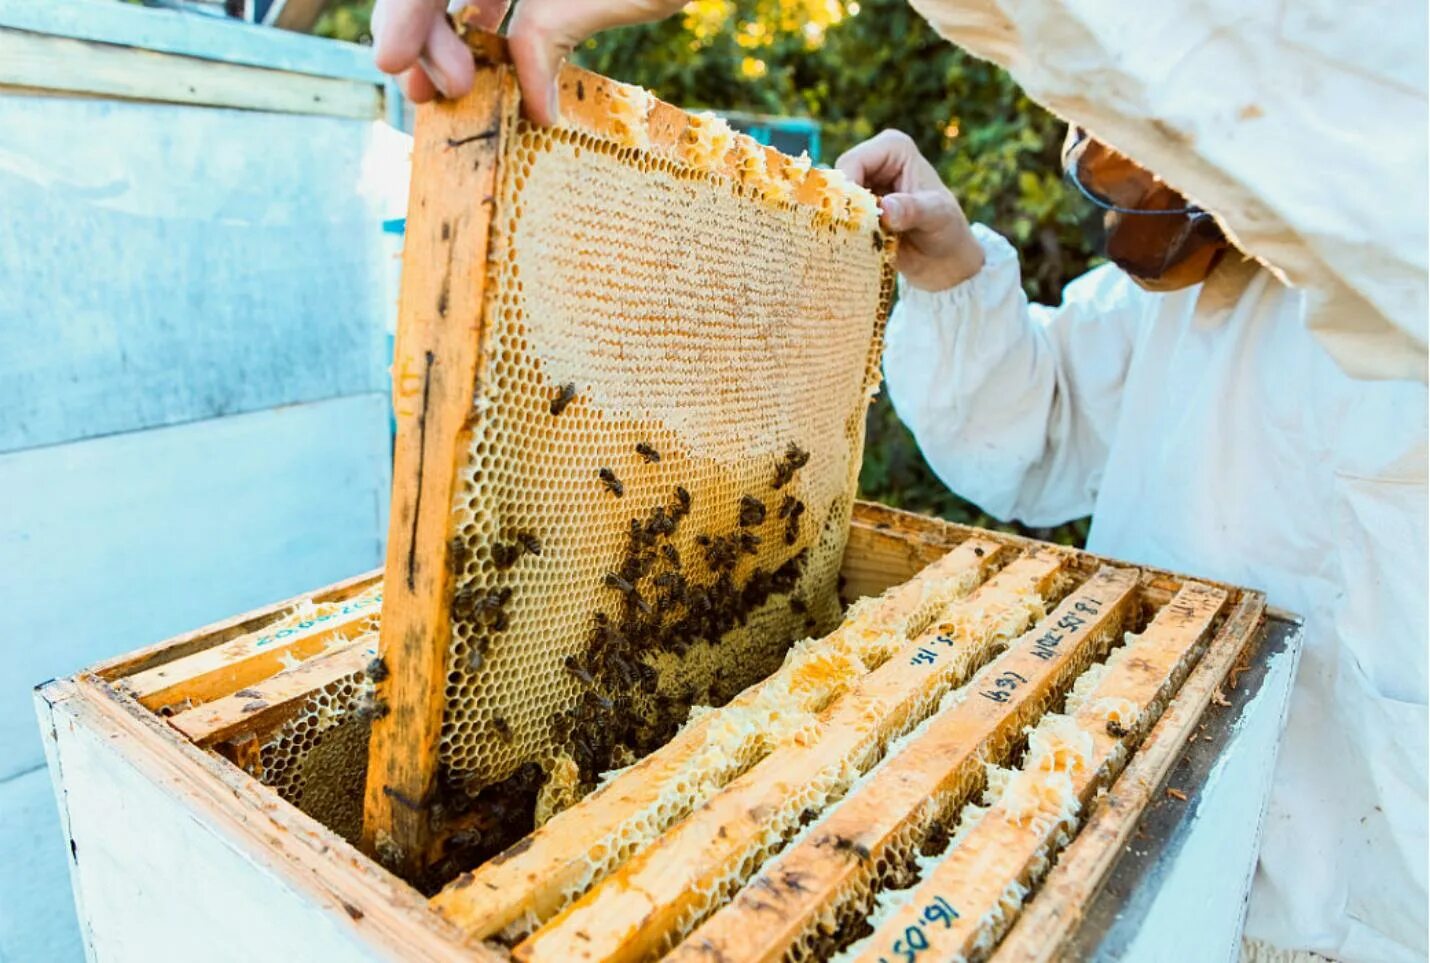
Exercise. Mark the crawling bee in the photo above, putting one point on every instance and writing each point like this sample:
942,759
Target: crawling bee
370,708
612,483
1116,729
843,845
564,396
671,555
504,556
647,452
376,669
574,666
502,728
624,586
659,522
752,511
529,542
682,502
794,459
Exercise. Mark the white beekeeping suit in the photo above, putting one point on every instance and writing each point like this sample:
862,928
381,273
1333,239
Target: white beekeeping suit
1246,429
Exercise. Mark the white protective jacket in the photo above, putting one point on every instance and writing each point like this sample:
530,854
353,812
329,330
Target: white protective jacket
1268,435
1206,431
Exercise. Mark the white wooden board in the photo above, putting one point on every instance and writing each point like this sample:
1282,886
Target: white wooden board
114,543
209,38
206,262
154,881
48,63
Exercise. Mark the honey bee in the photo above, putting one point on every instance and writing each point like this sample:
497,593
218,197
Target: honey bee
504,556
376,669
612,483
529,542
564,396
752,511
794,459
647,452
682,502
502,728
859,850
574,666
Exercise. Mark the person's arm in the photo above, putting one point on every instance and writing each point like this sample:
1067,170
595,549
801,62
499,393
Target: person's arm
413,39
1013,405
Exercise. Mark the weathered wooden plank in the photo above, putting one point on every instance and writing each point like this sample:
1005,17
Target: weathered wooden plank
820,876
454,168
103,551
876,558
207,38
29,60
962,905
160,284
578,847
1055,912
216,633
264,706
138,795
224,669
664,890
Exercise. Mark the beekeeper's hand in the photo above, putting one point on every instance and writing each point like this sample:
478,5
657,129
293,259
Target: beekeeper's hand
937,248
413,38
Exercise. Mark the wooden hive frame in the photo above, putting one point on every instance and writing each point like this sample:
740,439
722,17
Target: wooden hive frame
885,548
443,348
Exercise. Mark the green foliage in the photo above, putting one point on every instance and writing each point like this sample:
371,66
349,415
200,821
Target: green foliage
859,68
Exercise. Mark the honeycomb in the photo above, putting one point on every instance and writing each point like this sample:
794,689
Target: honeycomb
317,759
666,431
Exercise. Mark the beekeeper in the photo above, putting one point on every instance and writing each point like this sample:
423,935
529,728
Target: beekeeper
1240,393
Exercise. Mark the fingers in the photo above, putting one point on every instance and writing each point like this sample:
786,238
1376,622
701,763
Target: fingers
926,211
413,38
489,13
418,86
399,31
447,60
544,32
881,163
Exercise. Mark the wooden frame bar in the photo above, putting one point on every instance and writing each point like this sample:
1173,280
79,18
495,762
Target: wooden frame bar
217,672
531,885
668,887
935,769
961,906
454,168
1053,914
263,707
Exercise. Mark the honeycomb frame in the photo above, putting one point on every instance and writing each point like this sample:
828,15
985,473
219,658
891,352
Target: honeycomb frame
631,377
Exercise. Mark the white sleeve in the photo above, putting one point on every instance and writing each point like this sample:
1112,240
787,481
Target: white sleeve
1260,111
1013,405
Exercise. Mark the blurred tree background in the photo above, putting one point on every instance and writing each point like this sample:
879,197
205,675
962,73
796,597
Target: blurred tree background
858,67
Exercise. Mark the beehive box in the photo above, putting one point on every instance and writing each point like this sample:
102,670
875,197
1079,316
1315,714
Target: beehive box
173,839
609,699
